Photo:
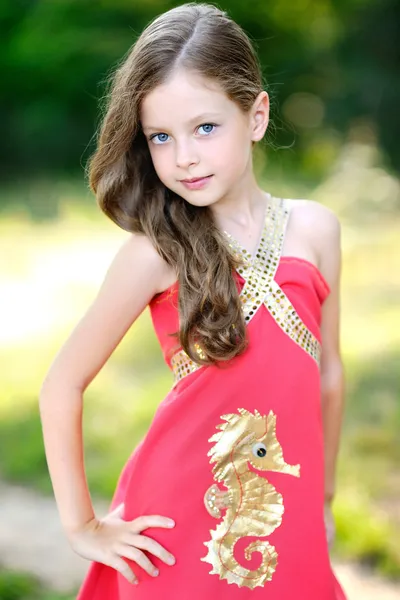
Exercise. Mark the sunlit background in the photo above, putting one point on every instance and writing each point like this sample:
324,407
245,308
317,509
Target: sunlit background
332,71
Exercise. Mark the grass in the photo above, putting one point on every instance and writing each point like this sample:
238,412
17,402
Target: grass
21,586
54,276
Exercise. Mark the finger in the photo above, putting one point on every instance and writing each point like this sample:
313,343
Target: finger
146,543
139,558
122,567
145,521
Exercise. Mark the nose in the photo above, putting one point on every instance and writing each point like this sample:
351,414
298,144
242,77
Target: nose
185,155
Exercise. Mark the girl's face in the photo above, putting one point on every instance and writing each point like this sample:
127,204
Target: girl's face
194,130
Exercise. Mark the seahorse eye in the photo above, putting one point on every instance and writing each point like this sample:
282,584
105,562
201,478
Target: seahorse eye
259,450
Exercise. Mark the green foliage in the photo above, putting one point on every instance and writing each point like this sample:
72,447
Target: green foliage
17,586
21,445
20,586
320,68
366,532
118,410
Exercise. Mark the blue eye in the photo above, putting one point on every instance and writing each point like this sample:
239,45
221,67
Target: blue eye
162,138
208,128
159,135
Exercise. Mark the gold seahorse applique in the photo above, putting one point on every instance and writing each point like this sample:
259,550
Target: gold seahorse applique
253,505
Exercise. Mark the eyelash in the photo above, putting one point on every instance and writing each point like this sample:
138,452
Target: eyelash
202,125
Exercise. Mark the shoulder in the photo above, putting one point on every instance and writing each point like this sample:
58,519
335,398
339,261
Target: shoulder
131,280
321,226
317,220
138,252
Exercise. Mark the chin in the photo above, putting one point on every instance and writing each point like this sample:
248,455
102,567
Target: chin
198,197
200,203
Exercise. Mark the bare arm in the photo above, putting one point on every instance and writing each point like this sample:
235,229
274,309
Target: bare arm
332,373
130,283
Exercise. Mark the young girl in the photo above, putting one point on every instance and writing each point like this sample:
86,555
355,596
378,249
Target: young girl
228,495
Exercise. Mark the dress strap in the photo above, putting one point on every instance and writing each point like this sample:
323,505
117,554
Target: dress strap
260,269
261,289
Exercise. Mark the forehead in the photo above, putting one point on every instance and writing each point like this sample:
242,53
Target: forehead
183,96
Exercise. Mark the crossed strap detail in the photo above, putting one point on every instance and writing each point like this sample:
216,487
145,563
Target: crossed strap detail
260,288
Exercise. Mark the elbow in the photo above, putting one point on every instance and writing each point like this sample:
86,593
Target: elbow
54,389
333,375
47,394
48,387
43,391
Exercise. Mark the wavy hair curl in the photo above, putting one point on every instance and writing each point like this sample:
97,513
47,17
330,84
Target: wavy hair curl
202,38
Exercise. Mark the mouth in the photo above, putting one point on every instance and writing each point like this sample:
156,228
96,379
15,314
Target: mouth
195,179
197,183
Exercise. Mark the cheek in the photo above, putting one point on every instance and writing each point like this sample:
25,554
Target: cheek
231,154
161,162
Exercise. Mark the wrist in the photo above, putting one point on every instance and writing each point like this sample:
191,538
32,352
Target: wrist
72,529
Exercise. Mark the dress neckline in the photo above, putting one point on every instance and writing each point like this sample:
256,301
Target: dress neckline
238,246
251,257
284,259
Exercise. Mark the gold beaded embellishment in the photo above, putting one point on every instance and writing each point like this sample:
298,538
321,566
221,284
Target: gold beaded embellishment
183,365
261,288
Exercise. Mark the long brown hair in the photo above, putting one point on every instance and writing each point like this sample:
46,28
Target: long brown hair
202,38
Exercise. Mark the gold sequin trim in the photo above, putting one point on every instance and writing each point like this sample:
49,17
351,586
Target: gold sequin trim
289,321
183,365
261,288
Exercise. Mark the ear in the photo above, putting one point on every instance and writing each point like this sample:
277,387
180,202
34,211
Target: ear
259,116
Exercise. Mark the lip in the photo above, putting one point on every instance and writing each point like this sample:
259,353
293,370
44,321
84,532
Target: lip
193,179
196,183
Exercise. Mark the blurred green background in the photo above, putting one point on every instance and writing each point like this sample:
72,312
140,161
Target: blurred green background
331,68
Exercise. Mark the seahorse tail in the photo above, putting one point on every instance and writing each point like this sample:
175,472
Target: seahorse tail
269,558
234,571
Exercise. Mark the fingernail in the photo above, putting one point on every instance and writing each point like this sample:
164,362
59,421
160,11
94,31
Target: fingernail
155,572
135,582
171,523
171,560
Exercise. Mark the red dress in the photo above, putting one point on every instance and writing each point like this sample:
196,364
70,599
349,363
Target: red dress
249,433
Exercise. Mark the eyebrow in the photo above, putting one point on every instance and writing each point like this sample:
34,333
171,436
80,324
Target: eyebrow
197,119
